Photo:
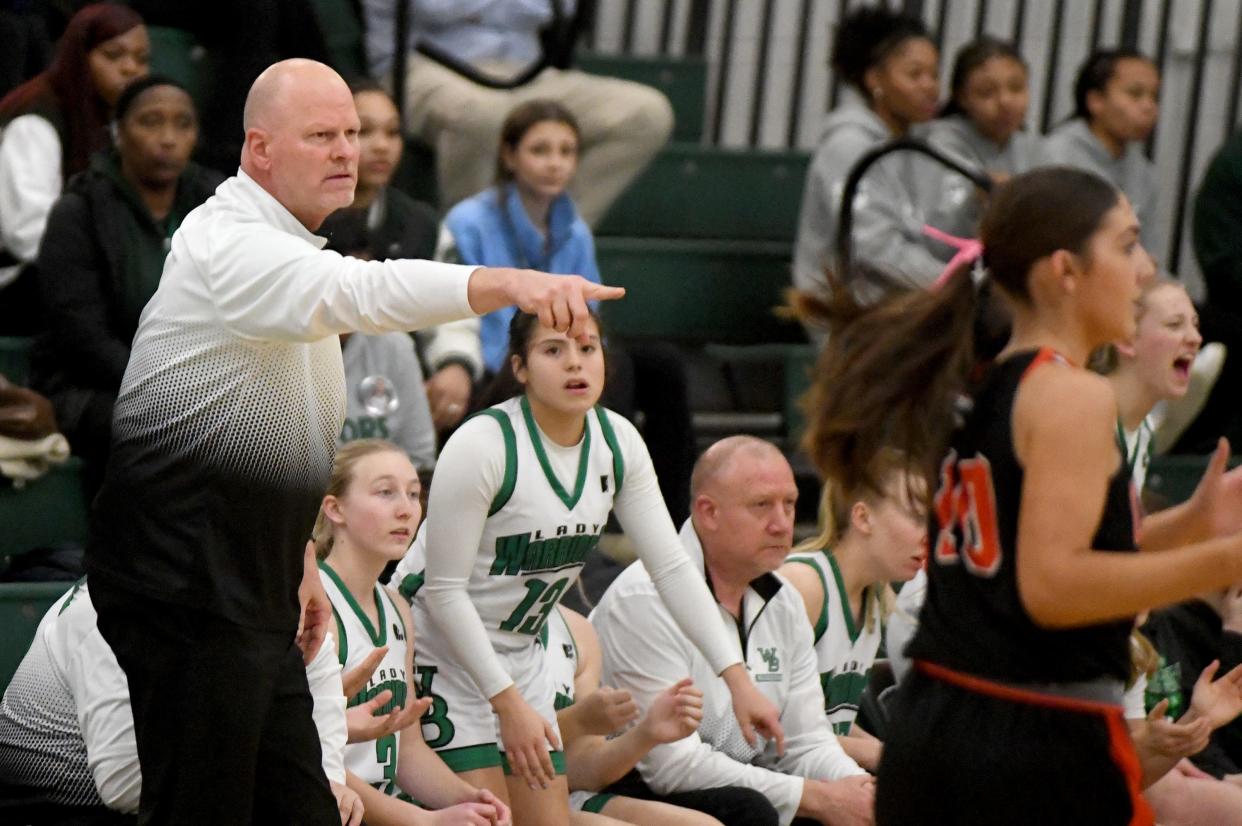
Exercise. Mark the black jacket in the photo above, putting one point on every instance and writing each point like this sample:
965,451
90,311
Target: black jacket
85,275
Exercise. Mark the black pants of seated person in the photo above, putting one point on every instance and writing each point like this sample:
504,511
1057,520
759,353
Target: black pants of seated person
222,717
731,805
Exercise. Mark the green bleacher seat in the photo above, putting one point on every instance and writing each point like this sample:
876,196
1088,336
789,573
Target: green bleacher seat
49,510
702,192
176,54
22,605
697,291
682,79
15,359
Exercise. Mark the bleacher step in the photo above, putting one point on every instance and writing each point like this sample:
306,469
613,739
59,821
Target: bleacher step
692,191
696,290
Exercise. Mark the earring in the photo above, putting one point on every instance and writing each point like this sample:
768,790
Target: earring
877,92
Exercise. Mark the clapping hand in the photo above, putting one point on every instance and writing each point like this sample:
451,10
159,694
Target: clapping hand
1220,701
675,713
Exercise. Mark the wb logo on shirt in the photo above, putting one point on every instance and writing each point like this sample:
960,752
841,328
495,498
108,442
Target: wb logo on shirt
772,659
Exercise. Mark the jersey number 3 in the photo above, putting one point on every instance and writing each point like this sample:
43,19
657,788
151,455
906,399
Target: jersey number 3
965,506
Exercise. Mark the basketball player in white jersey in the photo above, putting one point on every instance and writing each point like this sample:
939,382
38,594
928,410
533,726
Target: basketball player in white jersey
587,714
521,495
867,539
367,520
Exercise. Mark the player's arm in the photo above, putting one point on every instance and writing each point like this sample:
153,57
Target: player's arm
1063,425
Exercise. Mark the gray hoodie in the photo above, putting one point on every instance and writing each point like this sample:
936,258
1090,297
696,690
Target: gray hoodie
950,201
1073,144
392,357
888,221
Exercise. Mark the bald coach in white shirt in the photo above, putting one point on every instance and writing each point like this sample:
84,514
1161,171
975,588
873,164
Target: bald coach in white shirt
223,438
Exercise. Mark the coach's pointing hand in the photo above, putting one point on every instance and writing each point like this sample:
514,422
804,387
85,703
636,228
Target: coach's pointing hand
560,301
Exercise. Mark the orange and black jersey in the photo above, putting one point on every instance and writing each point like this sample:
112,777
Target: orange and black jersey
973,620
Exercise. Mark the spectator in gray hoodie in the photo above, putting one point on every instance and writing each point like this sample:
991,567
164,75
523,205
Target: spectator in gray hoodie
1116,104
891,62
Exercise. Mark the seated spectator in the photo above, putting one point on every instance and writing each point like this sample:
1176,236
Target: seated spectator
528,219
1116,103
397,226
868,538
103,254
623,123
367,520
982,126
50,127
67,729
891,62
587,713
740,532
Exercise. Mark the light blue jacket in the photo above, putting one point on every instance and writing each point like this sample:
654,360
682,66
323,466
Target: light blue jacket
492,229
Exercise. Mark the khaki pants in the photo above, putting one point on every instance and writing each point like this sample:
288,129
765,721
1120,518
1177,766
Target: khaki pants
623,125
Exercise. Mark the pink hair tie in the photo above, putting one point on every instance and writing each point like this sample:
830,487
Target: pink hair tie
968,250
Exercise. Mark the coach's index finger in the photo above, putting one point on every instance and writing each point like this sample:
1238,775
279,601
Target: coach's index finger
602,292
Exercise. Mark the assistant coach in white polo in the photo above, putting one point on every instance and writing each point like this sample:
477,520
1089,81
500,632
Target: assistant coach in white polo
222,442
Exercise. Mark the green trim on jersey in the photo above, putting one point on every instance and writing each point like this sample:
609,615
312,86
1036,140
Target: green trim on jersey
377,638
342,647
558,762
610,436
821,624
469,758
584,454
506,487
846,611
595,804
73,594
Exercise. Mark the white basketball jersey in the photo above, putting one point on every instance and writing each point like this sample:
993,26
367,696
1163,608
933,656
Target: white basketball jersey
844,650
374,761
561,653
539,528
